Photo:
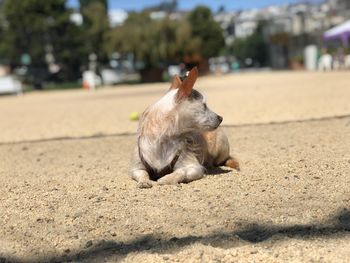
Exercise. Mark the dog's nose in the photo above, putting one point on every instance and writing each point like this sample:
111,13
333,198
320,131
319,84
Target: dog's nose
220,118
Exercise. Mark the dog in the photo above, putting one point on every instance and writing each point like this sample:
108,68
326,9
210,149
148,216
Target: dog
178,138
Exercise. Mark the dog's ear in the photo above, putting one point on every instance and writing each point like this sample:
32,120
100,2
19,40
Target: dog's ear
176,83
186,87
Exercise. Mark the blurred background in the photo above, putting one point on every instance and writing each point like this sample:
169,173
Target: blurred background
88,43
278,71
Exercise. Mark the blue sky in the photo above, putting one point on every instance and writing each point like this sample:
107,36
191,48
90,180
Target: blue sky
189,4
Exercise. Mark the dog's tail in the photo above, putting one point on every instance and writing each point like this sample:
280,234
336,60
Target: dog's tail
232,163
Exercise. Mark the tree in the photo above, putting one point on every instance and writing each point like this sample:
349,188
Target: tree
96,25
167,6
85,3
158,42
253,46
153,42
39,27
205,28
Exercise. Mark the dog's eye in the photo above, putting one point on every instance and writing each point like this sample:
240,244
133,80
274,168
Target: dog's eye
205,106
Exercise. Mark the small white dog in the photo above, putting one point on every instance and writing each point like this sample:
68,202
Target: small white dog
178,137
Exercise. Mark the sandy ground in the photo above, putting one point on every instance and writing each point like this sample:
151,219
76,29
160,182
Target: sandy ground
71,199
241,99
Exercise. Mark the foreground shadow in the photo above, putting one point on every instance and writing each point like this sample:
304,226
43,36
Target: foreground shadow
217,171
251,233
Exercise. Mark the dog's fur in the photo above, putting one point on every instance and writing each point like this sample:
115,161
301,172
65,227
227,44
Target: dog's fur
178,137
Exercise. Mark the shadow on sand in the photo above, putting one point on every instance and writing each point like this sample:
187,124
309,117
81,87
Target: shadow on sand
217,170
251,233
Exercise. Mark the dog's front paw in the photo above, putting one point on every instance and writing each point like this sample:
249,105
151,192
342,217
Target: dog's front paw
163,181
145,184
171,179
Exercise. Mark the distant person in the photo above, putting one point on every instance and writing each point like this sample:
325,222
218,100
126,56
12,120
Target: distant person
235,66
183,69
325,61
2,71
347,61
338,60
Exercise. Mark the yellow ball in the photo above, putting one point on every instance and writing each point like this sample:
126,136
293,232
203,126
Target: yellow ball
134,116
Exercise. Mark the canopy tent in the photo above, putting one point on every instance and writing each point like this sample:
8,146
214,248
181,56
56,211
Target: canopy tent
341,32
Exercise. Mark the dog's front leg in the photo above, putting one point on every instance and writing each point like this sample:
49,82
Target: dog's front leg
139,173
142,178
183,175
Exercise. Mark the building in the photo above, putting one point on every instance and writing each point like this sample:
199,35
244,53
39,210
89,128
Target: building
288,28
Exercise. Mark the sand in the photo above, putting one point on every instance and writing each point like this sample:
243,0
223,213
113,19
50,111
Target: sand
240,98
65,193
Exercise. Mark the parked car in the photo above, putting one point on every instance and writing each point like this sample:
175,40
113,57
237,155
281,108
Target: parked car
33,76
111,76
8,84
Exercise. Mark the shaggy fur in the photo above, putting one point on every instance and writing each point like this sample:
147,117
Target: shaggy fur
178,137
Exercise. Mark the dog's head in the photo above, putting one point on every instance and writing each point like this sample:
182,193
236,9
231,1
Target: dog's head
191,105
182,109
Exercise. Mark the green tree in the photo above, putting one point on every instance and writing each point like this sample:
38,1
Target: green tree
159,42
39,27
154,42
205,28
85,3
253,46
166,5
96,25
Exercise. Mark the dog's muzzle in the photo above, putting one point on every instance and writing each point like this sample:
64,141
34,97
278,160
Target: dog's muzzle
220,119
